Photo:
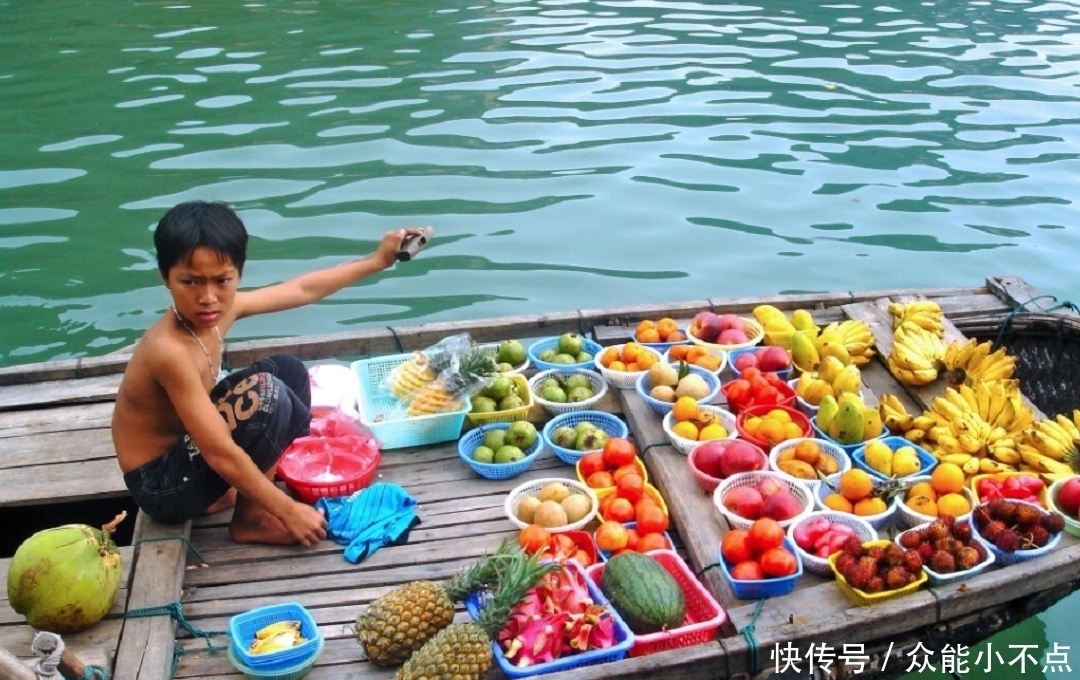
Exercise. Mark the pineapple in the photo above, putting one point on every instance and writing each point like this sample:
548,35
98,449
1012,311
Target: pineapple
462,651
410,375
400,622
457,375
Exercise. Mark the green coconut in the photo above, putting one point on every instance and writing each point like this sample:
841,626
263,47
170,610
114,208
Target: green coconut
64,579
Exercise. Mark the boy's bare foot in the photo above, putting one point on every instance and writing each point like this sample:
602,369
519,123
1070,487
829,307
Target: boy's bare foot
227,500
265,529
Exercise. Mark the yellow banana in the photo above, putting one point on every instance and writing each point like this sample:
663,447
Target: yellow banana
972,466
946,408
278,627
915,435
1068,426
1046,445
969,444
1006,455
989,467
1040,463
956,458
923,422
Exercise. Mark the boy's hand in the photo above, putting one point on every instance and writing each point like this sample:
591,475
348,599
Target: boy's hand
386,254
306,524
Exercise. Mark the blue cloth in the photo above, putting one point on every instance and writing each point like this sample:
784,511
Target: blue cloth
368,519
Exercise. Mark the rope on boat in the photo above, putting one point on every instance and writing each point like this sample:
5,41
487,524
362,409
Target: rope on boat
50,646
1019,309
751,641
400,347
176,610
94,673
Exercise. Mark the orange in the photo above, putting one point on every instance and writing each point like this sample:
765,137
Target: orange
665,327
954,504
710,362
713,431
610,354
780,415
617,366
792,431
534,538
947,478
869,506
752,425
645,360
835,501
694,353
771,431
856,485
645,325
923,489
677,336
650,335
924,505
678,352
686,430
685,408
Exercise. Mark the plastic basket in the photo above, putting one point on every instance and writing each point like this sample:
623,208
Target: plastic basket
605,555
866,599
827,448
927,462
684,445
877,521
533,487
799,419
704,615
801,492
1017,556
768,587
638,462
910,518
849,448
651,490
243,627
787,394
294,672
301,466
468,443
707,482
1071,524
663,347
719,369
937,579
599,387
754,331
623,380
736,353
973,484
820,565
382,413
539,346
605,421
624,639
509,415
493,347
664,407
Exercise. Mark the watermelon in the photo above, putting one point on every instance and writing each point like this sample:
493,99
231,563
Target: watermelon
648,598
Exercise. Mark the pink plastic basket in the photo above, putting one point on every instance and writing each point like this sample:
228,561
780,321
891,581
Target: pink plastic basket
704,615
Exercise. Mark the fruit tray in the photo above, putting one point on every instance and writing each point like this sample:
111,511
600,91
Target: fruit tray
1015,557
820,565
849,448
472,439
684,445
910,518
834,451
675,362
509,415
877,521
786,339
539,346
704,615
801,492
623,380
1071,523
244,626
866,599
798,418
754,331
786,392
664,407
384,415
533,487
936,579
599,387
605,421
927,462
973,483
624,639
769,587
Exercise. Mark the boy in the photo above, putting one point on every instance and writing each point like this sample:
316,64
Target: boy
188,441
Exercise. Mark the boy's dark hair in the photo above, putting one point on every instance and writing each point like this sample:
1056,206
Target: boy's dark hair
195,224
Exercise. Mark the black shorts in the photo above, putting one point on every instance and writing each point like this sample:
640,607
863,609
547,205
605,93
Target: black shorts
266,406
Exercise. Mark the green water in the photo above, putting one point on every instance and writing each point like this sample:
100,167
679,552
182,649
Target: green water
570,154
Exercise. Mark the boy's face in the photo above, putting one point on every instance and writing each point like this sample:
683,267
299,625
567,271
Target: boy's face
204,287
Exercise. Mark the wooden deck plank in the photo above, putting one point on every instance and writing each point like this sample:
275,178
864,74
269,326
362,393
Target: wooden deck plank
67,482
55,419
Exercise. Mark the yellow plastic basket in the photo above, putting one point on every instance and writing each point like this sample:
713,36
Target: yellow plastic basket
508,416
866,599
973,484
786,339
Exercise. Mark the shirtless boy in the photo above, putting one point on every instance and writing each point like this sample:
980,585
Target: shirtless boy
189,442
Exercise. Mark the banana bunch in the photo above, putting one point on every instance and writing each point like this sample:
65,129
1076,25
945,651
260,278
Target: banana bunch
411,375
925,314
276,637
850,341
848,420
894,415
1056,438
972,360
979,427
916,355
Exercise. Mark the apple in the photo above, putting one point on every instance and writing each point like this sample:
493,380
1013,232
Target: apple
708,457
705,326
740,456
732,321
744,501
769,487
1068,498
731,336
745,360
781,506
773,359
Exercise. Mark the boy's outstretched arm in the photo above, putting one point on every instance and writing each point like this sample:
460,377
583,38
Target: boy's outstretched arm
316,285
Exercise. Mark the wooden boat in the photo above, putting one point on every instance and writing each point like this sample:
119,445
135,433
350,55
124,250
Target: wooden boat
54,420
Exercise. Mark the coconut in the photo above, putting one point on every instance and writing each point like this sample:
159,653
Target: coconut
64,579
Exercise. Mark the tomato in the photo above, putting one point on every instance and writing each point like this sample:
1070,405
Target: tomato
591,462
747,571
738,393
534,538
611,536
778,562
632,538
765,533
599,480
582,558
620,510
631,487
751,374
735,546
775,380
651,519
619,451
605,504
628,469
653,541
767,395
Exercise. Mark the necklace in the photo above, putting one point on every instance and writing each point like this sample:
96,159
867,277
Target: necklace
221,343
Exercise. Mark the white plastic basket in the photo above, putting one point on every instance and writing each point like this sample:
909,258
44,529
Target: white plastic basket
909,518
754,331
820,565
663,407
533,488
877,521
623,380
720,369
493,347
684,445
828,448
599,387
802,493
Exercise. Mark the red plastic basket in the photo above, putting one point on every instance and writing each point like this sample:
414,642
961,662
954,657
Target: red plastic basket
345,471
704,615
797,417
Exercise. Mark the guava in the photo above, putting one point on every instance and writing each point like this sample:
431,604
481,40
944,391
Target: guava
511,352
508,454
583,357
547,355
521,434
571,343
495,439
579,394
554,394
562,358
483,454
578,380
511,402
500,388
564,437
483,405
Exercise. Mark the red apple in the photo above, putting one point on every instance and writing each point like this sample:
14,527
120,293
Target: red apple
745,360
774,359
705,326
781,506
740,456
1068,498
731,336
708,457
744,501
732,321
769,487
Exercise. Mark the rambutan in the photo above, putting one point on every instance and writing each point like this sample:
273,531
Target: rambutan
1003,510
853,546
961,531
1007,541
859,577
911,539
869,563
992,530
925,550
1053,522
875,585
1027,515
844,562
897,577
978,547
981,515
966,558
938,529
942,562
876,551
893,555
912,561
1037,537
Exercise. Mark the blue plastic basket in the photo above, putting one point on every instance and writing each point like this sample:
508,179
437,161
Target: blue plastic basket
735,353
243,627
663,407
927,461
539,346
936,579
294,672
605,421
383,414
849,448
624,639
769,587
473,438
1006,558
